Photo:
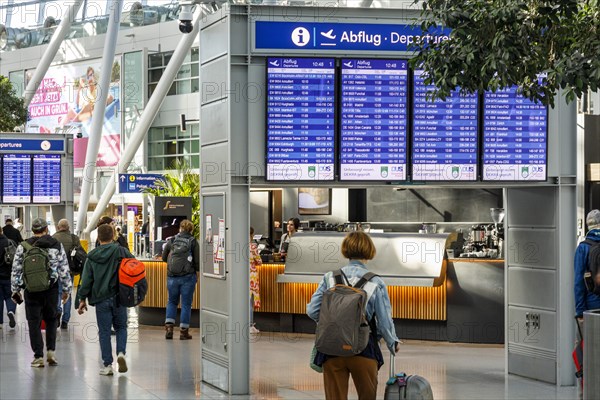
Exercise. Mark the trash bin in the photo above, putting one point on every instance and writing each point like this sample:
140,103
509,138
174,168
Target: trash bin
591,354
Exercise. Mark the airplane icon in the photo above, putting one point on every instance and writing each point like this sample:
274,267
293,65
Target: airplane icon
274,63
329,34
349,64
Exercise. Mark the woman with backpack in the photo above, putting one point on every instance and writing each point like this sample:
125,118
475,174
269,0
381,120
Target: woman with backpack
181,253
358,248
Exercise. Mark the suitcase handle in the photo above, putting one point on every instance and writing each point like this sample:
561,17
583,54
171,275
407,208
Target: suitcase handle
392,362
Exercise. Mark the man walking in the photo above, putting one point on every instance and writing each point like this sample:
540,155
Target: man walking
5,293
69,242
100,286
40,262
11,232
584,299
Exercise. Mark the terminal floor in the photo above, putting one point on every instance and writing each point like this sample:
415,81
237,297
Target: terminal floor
160,369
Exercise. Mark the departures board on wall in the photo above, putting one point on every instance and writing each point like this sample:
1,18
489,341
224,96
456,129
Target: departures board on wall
370,120
28,179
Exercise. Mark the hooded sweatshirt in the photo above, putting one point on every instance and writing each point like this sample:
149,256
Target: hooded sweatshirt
584,300
99,279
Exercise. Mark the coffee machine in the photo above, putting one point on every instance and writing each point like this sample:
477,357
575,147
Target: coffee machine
486,240
497,235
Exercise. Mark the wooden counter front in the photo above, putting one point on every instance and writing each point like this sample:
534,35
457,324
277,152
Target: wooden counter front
156,275
408,302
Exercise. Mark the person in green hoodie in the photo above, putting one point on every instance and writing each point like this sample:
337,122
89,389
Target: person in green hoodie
100,287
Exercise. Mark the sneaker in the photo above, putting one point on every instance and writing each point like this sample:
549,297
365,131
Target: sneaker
106,370
51,358
64,325
254,330
122,362
11,318
38,362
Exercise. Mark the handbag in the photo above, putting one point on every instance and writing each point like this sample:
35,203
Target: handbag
314,366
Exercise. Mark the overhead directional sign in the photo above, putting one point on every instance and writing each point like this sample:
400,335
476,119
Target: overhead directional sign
29,145
136,183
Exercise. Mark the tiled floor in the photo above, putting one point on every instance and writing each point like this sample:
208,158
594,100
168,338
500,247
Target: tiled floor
162,369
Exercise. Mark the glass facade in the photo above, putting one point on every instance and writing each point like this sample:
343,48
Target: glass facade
169,144
187,79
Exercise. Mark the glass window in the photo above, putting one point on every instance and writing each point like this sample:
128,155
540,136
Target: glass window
184,87
155,60
154,75
168,144
171,133
186,81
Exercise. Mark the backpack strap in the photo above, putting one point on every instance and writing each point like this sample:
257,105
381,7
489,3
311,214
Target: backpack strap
337,275
590,242
26,245
365,278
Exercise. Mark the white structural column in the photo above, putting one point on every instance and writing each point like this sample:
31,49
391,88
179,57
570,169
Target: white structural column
108,57
150,111
50,53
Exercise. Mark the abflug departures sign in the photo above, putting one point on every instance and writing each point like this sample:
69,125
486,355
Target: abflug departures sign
445,139
16,178
373,119
300,119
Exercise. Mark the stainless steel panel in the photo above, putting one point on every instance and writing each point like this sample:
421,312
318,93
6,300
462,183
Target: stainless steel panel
214,328
531,367
215,80
416,258
532,248
215,164
256,118
531,207
591,354
213,294
214,124
532,288
213,41
532,328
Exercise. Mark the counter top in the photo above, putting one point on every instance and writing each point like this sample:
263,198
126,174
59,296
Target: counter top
480,260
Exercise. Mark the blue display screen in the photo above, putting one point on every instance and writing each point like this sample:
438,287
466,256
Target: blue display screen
16,178
300,119
373,119
46,178
445,140
514,137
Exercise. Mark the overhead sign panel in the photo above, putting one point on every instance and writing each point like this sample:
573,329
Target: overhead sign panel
16,178
300,119
46,178
29,145
445,139
279,35
374,119
137,183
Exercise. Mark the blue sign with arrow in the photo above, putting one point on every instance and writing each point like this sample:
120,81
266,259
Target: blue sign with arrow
136,183
342,36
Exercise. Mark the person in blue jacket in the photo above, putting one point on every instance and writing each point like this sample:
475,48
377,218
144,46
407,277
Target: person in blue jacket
585,300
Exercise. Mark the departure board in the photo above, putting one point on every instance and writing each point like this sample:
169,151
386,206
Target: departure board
514,137
300,119
373,119
46,178
445,139
16,178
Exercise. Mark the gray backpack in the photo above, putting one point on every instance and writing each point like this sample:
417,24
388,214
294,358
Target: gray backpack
179,261
343,329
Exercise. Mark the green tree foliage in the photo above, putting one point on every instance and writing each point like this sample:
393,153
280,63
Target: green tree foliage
181,182
12,108
496,44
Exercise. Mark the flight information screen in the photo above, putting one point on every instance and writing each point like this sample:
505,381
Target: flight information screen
515,133
16,178
46,178
300,119
445,139
373,119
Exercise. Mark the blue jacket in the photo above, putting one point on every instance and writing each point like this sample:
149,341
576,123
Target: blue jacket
584,301
379,302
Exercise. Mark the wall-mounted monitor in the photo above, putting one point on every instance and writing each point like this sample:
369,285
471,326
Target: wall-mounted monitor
373,120
46,178
515,136
445,139
16,178
314,201
300,119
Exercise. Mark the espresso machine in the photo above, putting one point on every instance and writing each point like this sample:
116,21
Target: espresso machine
497,234
486,240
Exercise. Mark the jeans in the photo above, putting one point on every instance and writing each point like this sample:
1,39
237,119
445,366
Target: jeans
66,308
37,306
183,286
5,293
109,313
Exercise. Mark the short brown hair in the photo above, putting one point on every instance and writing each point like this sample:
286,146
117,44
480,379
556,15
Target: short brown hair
106,233
186,226
358,246
104,220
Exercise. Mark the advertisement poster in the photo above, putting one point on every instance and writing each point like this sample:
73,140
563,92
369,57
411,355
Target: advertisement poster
64,103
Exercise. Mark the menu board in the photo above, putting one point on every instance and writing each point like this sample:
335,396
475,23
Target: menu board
46,178
373,120
514,137
445,139
16,178
300,119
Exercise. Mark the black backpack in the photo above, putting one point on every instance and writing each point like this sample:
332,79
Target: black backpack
76,256
592,275
179,261
9,252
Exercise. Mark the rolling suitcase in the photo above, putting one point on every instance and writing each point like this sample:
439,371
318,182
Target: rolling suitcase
406,387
